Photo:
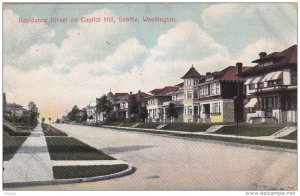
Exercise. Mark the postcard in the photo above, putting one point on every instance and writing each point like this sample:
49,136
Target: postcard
150,97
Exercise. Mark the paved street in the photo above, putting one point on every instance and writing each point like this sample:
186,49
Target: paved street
167,163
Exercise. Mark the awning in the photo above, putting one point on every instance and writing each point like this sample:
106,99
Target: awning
267,77
248,81
276,75
256,80
251,103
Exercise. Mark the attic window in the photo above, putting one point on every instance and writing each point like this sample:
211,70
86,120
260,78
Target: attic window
266,63
209,78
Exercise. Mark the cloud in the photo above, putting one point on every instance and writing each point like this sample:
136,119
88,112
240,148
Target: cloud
90,42
129,54
186,41
18,37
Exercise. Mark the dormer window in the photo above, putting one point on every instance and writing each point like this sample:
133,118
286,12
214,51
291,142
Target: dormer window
266,63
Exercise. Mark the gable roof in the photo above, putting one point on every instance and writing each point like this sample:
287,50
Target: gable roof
229,74
164,91
14,105
192,73
120,94
285,58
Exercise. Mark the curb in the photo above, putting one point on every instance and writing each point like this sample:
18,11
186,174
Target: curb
256,147
126,172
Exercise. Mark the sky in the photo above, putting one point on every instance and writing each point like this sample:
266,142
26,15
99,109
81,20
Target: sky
59,65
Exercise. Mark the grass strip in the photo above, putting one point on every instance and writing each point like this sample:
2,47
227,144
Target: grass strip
69,148
291,136
11,144
15,133
251,130
51,131
225,139
67,172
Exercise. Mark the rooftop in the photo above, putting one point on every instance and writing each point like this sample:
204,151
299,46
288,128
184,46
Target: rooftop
192,73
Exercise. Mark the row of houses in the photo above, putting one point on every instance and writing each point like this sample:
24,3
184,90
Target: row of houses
13,109
264,93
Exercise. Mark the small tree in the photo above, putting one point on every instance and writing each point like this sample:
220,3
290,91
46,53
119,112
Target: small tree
50,119
133,106
104,106
33,113
73,112
143,113
43,120
171,111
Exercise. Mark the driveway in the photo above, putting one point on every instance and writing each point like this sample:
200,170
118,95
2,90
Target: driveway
169,163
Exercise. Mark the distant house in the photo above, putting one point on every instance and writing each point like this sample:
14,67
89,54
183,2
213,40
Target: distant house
120,106
91,113
156,102
191,95
15,110
220,96
271,88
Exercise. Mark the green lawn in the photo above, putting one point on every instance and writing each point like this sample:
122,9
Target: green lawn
149,125
126,124
188,127
13,133
243,141
252,130
51,131
66,172
11,144
291,136
69,148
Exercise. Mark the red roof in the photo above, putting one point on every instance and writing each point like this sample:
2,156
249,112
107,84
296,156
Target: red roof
285,58
229,74
141,96
192,73
164,91
120,94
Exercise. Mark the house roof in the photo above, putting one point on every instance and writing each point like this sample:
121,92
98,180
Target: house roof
141,96
120,94
164,91
285,58
14,105
192,73
180,84
229,74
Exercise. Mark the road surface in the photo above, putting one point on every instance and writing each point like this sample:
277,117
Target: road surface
169,163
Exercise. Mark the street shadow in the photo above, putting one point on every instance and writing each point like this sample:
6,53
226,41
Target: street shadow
115,150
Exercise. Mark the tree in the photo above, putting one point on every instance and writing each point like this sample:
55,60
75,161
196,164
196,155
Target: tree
171,111
33,113
133,106
49,119
73,112
104,106
43,120
143,113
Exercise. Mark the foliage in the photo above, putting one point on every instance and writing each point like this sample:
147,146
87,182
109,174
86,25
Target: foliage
43,119
171,111
143,113
72,114
133,107
33,113
111,117
104,106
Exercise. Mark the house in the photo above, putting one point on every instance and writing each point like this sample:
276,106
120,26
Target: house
120,106
141,98
156,102
271,88
191,95
221,96
91,113
15,110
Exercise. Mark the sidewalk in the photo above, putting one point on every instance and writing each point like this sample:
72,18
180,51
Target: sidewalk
31,162
265,138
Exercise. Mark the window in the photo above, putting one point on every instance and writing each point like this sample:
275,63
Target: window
294,77
201,91
190,110
189,95
251,86
205,92
274,82
196,95
213,89
218,89
261,85
216,108
196,110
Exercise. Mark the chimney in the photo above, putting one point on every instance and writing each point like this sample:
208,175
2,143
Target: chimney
262,54
239,66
